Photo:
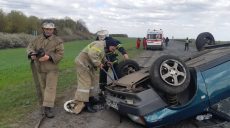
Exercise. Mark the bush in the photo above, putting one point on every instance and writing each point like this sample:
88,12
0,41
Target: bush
22,40
14,40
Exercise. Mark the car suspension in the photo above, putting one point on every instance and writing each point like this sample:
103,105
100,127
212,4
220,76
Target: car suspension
172,99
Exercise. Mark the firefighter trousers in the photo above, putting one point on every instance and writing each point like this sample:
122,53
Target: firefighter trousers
86,80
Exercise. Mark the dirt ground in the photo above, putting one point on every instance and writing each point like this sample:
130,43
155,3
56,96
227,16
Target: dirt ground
108,118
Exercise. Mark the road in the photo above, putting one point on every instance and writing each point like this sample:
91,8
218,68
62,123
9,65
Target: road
107,118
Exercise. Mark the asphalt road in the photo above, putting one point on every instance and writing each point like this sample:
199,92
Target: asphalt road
107,118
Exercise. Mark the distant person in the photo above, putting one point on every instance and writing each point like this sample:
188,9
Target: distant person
51,49
144,43
172,39
166,41
186,44
138,43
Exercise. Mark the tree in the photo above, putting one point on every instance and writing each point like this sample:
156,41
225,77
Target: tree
2,21
16,22
81,26
33,25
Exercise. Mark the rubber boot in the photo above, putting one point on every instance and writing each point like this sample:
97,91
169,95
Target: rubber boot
102,97
49,112
94,100
89,107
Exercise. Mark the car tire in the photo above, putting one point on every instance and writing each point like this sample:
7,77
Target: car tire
126,67
203,39
169,74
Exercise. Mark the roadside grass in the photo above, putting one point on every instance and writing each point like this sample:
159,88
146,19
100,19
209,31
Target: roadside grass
17,90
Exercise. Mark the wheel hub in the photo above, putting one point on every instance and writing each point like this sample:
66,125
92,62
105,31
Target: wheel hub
172,72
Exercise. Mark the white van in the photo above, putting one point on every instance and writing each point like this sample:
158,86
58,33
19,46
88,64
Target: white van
155,39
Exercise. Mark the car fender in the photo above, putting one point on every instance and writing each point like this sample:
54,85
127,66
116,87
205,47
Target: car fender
169,115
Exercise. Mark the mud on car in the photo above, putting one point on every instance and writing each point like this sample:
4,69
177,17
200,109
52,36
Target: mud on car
173,89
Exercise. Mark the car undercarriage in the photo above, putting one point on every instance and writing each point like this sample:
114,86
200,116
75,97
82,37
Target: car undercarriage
172,87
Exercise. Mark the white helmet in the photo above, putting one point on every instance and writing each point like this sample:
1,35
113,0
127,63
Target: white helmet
102,34
69,106
48,24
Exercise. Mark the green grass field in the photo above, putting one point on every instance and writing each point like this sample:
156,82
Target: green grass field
17,91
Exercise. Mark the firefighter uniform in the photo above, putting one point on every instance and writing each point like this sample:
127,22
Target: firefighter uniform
89,59
48,70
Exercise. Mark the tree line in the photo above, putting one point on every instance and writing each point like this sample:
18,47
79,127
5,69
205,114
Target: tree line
17,30
17,22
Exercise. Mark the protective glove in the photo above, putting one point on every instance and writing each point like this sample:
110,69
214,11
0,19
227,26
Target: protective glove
126,57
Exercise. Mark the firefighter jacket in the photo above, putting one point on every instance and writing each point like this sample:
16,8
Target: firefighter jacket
53,46
92,55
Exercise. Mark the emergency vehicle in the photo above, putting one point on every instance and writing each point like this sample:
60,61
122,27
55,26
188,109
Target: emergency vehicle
155,39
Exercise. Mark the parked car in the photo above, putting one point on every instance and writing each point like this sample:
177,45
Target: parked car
174,89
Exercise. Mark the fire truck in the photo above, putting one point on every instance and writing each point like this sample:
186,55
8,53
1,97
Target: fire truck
155,39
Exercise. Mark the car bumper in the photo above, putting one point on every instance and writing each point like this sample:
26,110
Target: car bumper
155,46
138,104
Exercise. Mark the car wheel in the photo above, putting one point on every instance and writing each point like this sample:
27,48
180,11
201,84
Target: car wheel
169,74
203,39
126,67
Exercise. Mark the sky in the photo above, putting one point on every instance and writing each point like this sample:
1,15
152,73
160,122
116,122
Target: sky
177,18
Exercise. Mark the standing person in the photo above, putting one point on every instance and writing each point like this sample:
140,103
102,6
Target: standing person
52,49
111,56
186,44
138,43
166,41
172,39
144,43
88,60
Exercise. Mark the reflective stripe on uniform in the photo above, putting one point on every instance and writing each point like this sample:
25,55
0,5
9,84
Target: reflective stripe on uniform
115,61
110,53
83,90
118,46
94,48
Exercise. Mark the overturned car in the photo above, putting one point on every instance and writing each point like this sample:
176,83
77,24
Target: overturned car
173,89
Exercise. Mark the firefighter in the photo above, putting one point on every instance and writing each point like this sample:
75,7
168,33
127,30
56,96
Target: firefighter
89,59
47,63
111,56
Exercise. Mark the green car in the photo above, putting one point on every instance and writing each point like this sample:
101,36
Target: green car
174,89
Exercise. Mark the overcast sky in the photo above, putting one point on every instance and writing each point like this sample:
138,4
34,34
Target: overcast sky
178,18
